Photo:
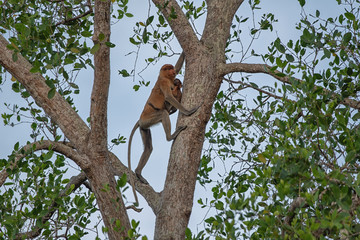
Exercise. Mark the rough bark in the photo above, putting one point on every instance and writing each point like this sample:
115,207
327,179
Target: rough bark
201,84
100,175
89,147
151,196
57,108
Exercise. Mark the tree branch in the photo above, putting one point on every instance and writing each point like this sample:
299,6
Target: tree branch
74,128
179,63
266,69
246,85
297,203
179,25
77,181
42,145
151,196
300,202
76,17
218,24
100,90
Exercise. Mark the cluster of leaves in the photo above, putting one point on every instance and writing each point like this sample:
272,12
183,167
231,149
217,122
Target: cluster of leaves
53,37
37,198
37,191
296,173
50,36
155,31
240,42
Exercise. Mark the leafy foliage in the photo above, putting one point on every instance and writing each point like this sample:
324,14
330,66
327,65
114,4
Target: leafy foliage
291,156
39,190
40,198
295,173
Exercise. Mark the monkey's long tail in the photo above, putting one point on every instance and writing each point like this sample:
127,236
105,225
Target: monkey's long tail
129,163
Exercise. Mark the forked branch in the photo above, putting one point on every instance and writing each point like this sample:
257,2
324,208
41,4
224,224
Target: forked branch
76,181
37,146
266,69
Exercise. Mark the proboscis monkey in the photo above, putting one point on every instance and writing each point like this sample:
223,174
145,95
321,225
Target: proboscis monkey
155,112
177,95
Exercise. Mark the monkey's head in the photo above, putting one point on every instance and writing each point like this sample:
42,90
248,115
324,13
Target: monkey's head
168,71
177,83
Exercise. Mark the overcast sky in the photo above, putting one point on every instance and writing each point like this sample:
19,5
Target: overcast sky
125,105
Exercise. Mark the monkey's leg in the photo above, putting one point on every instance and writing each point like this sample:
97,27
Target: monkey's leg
146,138
167,126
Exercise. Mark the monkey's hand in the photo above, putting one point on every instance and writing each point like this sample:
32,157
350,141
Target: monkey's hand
190,112
179,129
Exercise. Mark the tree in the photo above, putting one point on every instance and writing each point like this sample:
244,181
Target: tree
295,173
301,165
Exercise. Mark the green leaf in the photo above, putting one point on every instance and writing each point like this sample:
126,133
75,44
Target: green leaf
74,85
173,14
347,37
161,19
145,36
136,87
349,16
95,48
101,37
149,20
124,73
51,93
16,146
279,46
122,181
350,156
15,87
14,57
302,2
132,40
356,116
262,158
74,50
219,205
290,57
188,233
129,15
86,33
327,53
110,44
25,94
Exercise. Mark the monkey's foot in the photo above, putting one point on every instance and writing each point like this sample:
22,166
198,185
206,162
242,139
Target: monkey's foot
141,178
181,128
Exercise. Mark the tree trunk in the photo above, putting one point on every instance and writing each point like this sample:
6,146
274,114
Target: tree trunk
99,173
203,78
91,144
201,84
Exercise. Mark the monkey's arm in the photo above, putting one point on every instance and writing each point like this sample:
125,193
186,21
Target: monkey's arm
179,63
176,92
166,90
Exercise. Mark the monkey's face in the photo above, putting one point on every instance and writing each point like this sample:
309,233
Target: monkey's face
168,70
178,83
